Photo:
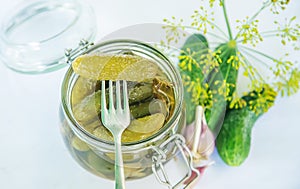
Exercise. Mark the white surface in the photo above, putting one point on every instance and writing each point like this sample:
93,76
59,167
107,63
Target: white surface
32,151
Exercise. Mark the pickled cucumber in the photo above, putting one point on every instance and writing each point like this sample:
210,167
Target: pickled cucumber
140,110
82,88
137,130
147,124
140,92
115,67
92,126
79,144
89,108
107,169
103,133
129,136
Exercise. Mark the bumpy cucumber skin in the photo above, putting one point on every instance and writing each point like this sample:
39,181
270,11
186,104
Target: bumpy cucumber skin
234,140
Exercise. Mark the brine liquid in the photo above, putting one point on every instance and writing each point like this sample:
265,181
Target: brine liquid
151,99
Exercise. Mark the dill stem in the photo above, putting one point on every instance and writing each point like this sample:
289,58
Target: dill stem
224,53
227,20
229,67
223,38
270,32
265,5
260,53
217,36
227,72
218,28
254,57
249,64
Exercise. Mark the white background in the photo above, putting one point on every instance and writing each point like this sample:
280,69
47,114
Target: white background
32,153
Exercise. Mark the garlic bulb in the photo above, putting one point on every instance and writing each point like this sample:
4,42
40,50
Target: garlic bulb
199,137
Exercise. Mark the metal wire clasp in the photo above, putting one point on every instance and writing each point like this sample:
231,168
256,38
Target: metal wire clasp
160,157
71,54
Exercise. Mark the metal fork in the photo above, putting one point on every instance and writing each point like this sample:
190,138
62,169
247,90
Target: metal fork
116,120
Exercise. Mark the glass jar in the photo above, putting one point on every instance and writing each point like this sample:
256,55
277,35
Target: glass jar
34,35
27,47
141,158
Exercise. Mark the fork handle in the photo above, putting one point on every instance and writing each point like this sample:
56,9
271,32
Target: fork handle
119,168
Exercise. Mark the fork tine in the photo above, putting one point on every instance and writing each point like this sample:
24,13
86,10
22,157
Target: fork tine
111,96
118,96
125,96
103,100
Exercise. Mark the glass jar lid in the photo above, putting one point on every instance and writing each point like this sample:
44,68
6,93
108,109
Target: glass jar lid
34,36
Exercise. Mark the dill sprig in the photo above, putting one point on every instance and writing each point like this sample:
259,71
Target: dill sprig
238,53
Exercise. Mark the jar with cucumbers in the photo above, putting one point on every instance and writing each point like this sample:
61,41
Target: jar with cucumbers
154,85
156,106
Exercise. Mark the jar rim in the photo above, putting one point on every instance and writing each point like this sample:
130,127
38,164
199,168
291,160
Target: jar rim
96,141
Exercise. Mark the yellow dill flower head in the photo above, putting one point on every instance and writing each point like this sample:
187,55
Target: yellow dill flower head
202,19
174,30
248,31
201,93
282,67
235,61
289,31
291,85
262,98
223,88
277,5
187,60
209,61
237,102
212,2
